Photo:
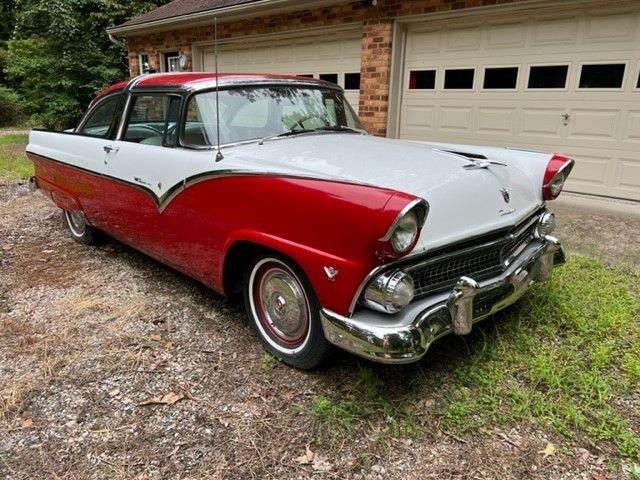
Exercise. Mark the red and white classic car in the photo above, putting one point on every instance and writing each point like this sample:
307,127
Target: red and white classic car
332,236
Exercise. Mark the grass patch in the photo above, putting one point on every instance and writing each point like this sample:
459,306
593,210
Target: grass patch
14,163
565,358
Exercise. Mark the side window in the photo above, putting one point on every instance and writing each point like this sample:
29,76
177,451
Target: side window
104,119
152,116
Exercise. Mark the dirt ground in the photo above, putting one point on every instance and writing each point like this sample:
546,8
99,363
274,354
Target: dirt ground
88,335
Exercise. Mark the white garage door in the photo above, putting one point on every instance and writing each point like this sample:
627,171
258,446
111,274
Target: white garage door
336,59
566,82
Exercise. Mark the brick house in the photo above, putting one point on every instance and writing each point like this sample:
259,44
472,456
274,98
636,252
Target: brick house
561,75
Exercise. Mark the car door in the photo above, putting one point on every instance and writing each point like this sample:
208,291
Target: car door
88,150
145,169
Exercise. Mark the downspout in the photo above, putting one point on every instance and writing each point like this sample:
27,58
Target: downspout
122,43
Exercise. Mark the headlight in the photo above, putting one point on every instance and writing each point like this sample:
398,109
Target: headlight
389,292
546,224
405,233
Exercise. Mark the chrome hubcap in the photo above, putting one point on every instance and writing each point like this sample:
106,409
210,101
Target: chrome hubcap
77,223
284,305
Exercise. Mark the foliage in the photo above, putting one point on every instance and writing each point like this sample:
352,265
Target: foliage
10,107
7,20
61,56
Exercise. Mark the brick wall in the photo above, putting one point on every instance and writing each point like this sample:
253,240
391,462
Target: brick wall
377,38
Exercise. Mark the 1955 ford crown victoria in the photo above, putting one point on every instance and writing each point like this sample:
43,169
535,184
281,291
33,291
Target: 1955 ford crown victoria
332,236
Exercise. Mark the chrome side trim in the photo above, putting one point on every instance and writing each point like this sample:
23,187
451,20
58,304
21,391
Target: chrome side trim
164,200
417,202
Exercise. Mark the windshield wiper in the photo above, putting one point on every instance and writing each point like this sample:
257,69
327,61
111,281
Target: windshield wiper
328,128
342,128
286,134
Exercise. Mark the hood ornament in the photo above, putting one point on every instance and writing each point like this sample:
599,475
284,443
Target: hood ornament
505,195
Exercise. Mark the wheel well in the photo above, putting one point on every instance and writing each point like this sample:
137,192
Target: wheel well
236,262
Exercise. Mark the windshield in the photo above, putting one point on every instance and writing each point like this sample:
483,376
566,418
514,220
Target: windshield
256,112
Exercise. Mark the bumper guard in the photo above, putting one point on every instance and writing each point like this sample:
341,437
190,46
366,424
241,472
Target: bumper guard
405,337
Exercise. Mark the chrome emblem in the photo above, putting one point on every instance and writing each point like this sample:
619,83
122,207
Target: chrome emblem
505,195
331,273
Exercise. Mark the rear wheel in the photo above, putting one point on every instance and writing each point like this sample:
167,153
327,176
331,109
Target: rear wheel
80,229
284,311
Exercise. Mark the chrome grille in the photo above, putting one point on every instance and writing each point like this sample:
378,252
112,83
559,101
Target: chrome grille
484,258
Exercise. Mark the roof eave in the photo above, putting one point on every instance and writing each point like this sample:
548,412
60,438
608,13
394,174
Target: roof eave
234,12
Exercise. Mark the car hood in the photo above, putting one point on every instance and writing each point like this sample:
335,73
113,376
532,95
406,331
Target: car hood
463,202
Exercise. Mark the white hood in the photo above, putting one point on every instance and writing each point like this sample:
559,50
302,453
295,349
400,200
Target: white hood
463,202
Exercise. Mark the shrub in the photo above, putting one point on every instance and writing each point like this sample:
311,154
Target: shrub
10,107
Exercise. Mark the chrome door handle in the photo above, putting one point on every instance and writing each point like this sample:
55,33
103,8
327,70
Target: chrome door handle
109,149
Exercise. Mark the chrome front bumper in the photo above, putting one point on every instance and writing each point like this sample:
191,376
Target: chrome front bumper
406,336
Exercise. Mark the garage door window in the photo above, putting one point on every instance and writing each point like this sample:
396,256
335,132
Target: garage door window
352,81
329,77
459,79
500,78
548,76
422,79
605,75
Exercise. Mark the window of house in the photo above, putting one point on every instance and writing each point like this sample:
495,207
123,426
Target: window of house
305,75
329,77
143,64
352,81
548,76
459,79
171,61
422,79
152,118
500,78
638,82
104,119
604,75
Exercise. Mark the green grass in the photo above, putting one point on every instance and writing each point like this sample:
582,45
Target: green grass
564,359
14,164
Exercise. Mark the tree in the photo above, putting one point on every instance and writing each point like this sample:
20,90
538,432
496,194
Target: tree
60,54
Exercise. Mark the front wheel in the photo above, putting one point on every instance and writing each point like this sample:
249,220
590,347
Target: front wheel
284,311
80,229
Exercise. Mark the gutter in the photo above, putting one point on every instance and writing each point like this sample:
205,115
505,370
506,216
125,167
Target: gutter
207,16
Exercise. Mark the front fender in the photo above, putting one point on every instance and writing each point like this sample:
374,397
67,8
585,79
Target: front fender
317,223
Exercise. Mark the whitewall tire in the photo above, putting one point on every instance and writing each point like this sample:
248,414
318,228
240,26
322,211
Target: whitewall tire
284,311
80,229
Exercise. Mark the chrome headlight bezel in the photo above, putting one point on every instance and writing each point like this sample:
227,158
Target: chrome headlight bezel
389,292
411,218
405,233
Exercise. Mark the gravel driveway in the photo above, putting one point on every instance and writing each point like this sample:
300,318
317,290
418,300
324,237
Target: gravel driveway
113,366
